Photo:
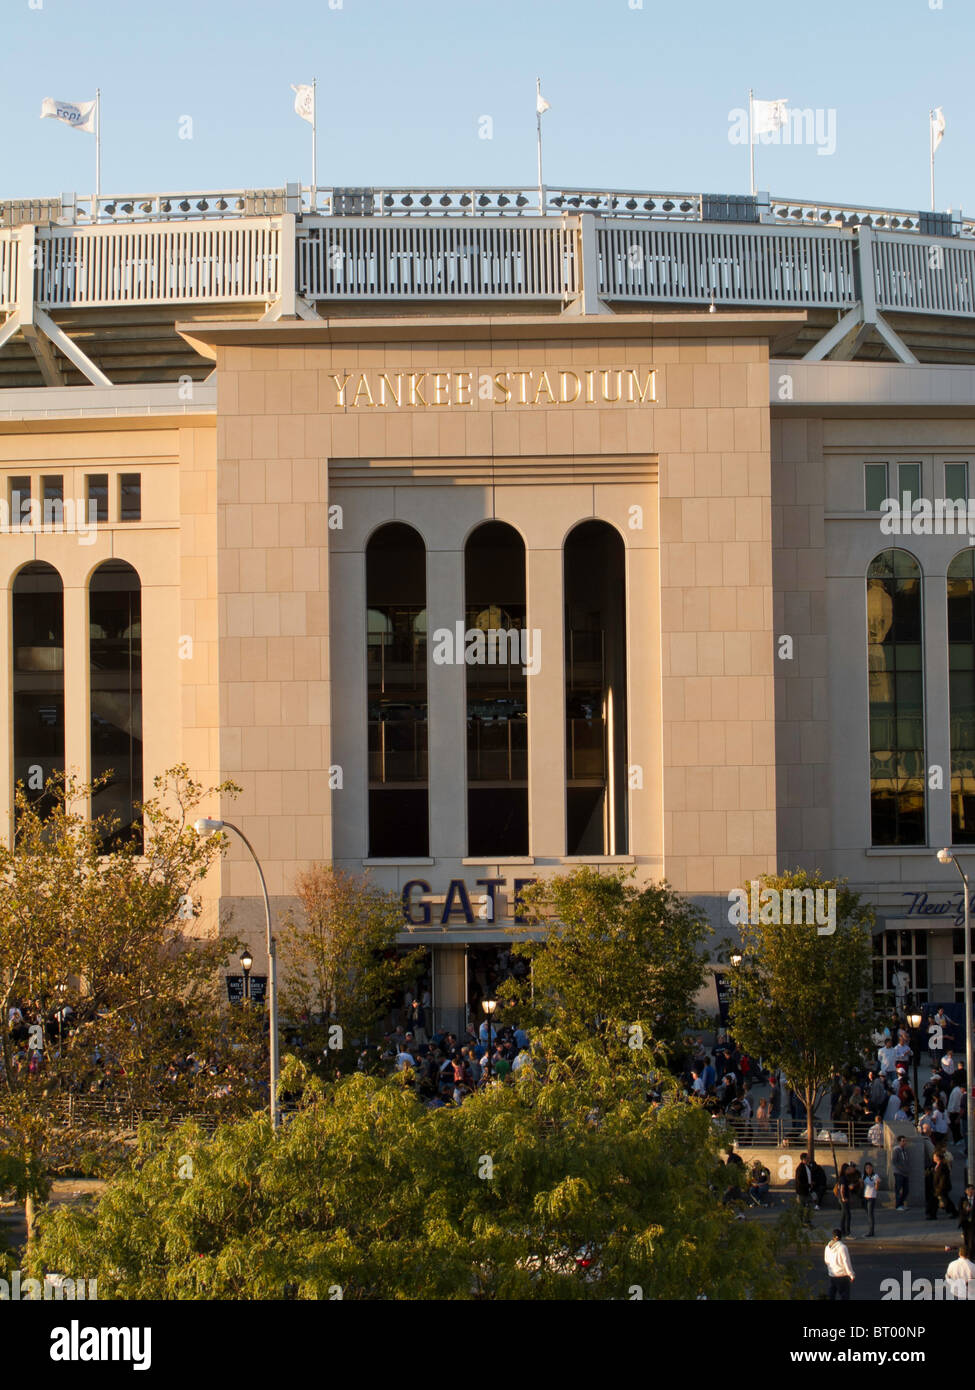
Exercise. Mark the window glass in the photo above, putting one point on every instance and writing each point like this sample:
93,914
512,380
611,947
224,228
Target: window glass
875,485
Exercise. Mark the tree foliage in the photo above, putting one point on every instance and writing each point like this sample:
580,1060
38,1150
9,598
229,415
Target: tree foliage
611,951
341,962
800,999
98,942
367,1194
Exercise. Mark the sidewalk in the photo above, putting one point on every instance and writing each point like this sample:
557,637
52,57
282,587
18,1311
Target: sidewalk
891,1228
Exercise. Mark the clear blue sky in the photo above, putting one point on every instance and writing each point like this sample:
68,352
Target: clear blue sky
640,97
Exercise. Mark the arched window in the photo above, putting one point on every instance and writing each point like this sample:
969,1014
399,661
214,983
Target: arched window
38,676
497,691
961,695
396,647
115,674
896,694
594,576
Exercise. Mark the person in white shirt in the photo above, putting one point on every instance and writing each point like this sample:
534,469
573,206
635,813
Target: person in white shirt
405,1059
955,1102
871,1182
838,1267
887,1057
893,1109
960,1277
948,1063
939,1121
875,1134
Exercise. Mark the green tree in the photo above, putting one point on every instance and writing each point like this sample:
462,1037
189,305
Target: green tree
801,997
97,948
342,966
611,951
367,1194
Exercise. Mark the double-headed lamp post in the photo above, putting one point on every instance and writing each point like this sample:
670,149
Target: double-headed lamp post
945,856
210,827
489,1006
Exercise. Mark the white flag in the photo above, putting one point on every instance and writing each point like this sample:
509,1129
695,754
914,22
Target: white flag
769,116
305,102
79,116
937,127
540,103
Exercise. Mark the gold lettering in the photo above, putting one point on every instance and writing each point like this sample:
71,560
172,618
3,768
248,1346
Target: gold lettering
386,384
499,381
590,398
619,387
441,383
416,397
461,385
340,388
563,382
544,385
642,391
363,390
524,386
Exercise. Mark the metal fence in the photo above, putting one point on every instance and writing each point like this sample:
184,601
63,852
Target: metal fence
788,1133
445,260
697,265
103,266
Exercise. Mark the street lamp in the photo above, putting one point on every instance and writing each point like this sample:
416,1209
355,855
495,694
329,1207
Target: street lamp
736,959
489,1006
246,961
914,1023
210,827
945,856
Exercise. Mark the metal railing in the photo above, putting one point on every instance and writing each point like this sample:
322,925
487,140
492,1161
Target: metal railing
788,1133
747,265
454,245
459,201
104,266
924,277
373,260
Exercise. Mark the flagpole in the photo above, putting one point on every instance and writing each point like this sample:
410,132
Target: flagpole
538,123
314,142
931,144
98,144
751,143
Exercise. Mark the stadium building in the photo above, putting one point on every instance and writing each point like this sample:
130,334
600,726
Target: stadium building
476,542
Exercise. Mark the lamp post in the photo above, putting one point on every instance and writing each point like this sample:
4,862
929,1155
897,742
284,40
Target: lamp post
945,856
246,961
489,1006
210,827
914,1023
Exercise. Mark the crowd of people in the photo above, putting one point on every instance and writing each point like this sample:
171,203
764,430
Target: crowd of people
445,1069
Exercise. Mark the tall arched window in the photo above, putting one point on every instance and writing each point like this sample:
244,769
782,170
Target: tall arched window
115,674
396,646
497,691
594,574
38,676
896,693
961,695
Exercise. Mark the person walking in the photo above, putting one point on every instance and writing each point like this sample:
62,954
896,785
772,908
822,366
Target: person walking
804,1187
842,1193
900,1161
838,1267
942,1186
871,1182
